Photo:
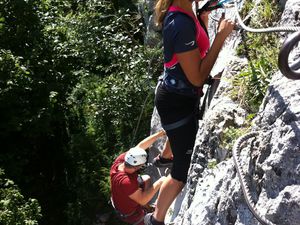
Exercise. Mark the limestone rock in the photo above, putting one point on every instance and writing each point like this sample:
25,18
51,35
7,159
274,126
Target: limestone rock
271,161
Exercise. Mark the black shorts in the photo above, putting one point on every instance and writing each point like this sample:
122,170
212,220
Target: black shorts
171,108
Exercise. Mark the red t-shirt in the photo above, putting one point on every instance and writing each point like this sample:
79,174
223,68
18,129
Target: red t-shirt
123,185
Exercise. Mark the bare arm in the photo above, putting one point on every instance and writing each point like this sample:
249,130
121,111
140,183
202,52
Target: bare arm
197,70
143,197
204,18
148,141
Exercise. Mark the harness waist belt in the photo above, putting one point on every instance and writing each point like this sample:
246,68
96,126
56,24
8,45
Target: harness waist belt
177,124
173,84
122,215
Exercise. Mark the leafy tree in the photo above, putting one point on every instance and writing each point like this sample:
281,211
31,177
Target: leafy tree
73,86
14,208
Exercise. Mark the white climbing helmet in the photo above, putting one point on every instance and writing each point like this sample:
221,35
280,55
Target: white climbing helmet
136,156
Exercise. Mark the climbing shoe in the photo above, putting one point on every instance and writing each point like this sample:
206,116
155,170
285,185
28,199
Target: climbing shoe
159,161
149,220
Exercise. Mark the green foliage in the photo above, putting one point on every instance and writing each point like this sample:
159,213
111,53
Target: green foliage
74,83
99,39
230,135
269,12
20,26
111,107
251,84
247,7
15,81
212,163
105,183
14,208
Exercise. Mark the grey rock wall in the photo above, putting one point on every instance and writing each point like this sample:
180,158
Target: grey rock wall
272,160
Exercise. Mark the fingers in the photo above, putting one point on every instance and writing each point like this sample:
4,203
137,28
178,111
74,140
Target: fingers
162,132
223,15
226,26
227,22
237,26
229,25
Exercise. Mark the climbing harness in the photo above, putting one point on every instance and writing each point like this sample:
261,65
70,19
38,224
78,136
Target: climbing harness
118,213
177,124
176,84
212,86
283,58
173,84
241,175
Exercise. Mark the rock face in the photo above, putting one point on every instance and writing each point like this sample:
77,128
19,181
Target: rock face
213,194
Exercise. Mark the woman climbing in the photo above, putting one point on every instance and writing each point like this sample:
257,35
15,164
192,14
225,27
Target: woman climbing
188,61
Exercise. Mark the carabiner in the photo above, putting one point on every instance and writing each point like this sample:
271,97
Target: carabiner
213,4
207,6
283,64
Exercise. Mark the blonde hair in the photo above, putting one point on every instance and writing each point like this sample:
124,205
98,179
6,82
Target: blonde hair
161,9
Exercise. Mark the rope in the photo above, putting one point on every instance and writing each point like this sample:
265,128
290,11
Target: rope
139,120
243,181
145,101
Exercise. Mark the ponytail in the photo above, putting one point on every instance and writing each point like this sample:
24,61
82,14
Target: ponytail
161,9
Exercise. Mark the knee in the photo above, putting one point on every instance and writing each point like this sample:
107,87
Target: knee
181,177
180,171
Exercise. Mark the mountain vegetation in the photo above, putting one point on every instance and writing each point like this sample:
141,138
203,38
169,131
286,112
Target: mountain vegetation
75,91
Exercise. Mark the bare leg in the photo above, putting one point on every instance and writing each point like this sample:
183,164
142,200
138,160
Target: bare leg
167,151
168,192
148,184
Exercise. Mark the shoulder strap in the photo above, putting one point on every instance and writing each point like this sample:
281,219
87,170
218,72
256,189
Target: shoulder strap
174,60
178,9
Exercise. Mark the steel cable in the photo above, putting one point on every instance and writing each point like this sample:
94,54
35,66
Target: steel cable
262,30
242,139
243,181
